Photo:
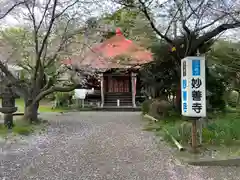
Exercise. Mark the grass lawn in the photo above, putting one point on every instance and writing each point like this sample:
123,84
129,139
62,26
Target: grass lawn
221,134
22,127
45,106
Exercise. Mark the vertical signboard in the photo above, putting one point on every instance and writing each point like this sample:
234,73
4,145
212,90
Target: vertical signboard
193,86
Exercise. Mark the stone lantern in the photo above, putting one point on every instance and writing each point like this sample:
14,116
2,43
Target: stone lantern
8,97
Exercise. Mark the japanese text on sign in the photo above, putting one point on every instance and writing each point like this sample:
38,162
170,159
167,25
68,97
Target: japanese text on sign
196,84
196,95
193,87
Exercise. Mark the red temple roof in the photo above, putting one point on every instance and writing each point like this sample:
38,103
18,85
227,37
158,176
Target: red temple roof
110,54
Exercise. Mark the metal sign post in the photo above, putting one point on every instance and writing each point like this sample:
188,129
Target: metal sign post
193,91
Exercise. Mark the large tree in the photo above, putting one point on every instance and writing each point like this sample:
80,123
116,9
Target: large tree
224,58
132,22
186,26
51,30
224,62
195,22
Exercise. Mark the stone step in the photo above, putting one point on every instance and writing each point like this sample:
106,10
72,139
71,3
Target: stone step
117,109
120,99
120,95
115,100
115,104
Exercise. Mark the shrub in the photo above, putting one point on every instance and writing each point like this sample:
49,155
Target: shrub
50,97
23,130
160,108
63,99
185,132
181,131
22,127
224,130
208,136
215,86
146,106
233,98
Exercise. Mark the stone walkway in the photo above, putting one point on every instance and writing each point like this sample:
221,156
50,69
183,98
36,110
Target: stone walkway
99,146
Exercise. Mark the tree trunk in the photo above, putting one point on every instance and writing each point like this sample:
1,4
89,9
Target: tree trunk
31,111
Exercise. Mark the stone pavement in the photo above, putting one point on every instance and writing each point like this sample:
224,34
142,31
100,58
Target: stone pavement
99,146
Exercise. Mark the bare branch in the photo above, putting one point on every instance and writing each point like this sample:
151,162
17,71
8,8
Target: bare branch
11,9
53,89
182,18
200,16
65,37
209,35
210,24
38,61
44,15
170,23
66,8
193,11
35,33
63,40
145,11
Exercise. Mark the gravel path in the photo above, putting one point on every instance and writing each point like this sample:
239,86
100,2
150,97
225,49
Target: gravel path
99,146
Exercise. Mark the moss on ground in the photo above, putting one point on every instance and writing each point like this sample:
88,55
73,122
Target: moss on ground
22,127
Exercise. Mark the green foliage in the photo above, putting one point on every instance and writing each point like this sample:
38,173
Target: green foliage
233,98
222,71
50,97
146,106
63,98
132,22
153,127
22,75
3,129
22,127
181,131
224,130
22,130
185,132
19,41
215,85
160,108
162,74
224,58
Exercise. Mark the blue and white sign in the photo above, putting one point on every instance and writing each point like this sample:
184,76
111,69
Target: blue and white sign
193,86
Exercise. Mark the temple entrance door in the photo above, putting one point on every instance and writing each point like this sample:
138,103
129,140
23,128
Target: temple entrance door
118,84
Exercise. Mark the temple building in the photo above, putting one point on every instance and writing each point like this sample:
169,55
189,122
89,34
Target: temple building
117,60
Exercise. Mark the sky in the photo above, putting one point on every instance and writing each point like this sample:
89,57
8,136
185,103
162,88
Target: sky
94,10
106,6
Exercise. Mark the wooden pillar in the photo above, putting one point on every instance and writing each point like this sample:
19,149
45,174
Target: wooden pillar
102,89
133,80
